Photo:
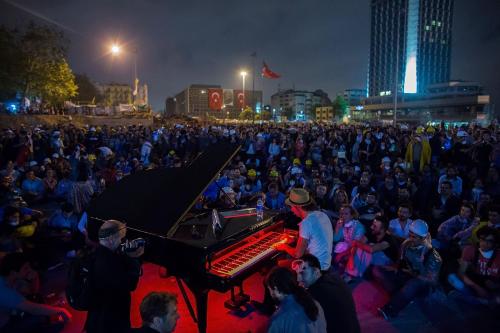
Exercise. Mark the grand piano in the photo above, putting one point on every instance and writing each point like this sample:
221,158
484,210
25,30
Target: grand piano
213,250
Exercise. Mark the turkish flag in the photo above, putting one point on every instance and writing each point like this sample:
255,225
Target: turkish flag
267,73
215,99
240,98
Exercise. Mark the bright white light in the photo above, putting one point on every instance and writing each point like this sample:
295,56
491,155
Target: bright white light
115,49
411,76
243,73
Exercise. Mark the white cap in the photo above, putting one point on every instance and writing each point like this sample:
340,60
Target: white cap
462,134
55,155
419,227
295,171
386,160
33,163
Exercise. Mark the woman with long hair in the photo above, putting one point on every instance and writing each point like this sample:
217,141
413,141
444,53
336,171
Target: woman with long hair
297,310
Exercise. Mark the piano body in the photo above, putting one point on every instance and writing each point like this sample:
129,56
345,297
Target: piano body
156,206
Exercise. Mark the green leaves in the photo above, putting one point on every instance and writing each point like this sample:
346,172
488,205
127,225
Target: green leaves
35,64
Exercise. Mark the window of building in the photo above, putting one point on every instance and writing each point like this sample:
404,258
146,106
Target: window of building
427,28
433,22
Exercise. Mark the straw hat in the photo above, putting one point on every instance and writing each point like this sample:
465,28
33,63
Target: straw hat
298,197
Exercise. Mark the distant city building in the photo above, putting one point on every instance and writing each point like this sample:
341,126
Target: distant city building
116,94
353,96
170,106
298,104
410,39
453,101
142,95
194,101
325,113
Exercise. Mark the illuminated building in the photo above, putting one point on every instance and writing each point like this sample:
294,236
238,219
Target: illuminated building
410,40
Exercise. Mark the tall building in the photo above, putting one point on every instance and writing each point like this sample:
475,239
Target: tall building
353,96
194,101
298,104
410,40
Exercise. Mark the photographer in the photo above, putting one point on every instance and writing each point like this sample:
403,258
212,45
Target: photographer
114,275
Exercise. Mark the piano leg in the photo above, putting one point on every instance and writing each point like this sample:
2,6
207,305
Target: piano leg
201,309
201,298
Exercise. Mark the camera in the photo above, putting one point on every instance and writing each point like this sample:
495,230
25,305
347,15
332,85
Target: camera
133,245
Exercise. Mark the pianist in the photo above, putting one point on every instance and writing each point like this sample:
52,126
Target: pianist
315,237
315,229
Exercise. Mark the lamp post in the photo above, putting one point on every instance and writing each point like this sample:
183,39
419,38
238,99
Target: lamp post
243,76
115,50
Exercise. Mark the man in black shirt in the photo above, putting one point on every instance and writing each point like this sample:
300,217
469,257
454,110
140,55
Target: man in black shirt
114,275
331,292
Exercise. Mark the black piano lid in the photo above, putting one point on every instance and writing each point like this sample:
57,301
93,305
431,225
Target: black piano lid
156,201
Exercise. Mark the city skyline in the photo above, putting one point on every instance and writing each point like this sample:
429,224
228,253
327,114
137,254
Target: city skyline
313,45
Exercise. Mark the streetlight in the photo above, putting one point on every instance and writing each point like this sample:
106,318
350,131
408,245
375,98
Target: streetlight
115,50
243,76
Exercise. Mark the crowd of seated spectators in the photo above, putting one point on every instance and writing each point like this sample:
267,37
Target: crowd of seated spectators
419,207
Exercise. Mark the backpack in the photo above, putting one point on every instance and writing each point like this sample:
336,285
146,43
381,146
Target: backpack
78,289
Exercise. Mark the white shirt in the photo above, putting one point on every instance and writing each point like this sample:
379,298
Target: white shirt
396,230
317,229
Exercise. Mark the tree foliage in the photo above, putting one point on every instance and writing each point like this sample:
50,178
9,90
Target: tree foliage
87,91
340,106
38,55
246,114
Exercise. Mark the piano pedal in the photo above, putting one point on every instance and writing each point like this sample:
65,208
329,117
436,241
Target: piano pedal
237,300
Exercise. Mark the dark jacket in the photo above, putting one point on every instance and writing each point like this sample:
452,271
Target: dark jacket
335,298
113,277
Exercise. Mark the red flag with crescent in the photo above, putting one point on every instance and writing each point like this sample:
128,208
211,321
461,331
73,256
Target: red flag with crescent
215,99
268,73
240,98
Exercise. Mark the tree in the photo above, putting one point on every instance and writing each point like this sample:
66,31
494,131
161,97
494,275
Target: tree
60,84
10,64
33,63
246,114
340,106
87,91
265,115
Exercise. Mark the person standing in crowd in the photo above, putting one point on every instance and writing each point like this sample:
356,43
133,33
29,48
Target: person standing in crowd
418,151
417,273
297,310
331,292
113,276
158,313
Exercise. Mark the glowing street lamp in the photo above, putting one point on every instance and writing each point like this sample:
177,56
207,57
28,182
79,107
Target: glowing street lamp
243,76
115,49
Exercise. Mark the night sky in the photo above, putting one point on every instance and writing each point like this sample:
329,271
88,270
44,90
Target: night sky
313,44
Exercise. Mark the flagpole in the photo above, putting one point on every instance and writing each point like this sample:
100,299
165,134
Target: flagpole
254,55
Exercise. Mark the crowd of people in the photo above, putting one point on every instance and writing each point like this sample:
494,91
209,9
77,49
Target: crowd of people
414,209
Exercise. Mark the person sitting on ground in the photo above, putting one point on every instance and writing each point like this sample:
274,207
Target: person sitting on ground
331,292
453,228
417,272
368,211
158,313
379,249
33,188
479,274
297,310
274,198
347,229
469,235
400,226
15,273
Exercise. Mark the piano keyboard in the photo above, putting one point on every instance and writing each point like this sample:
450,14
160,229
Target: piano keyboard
244,257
